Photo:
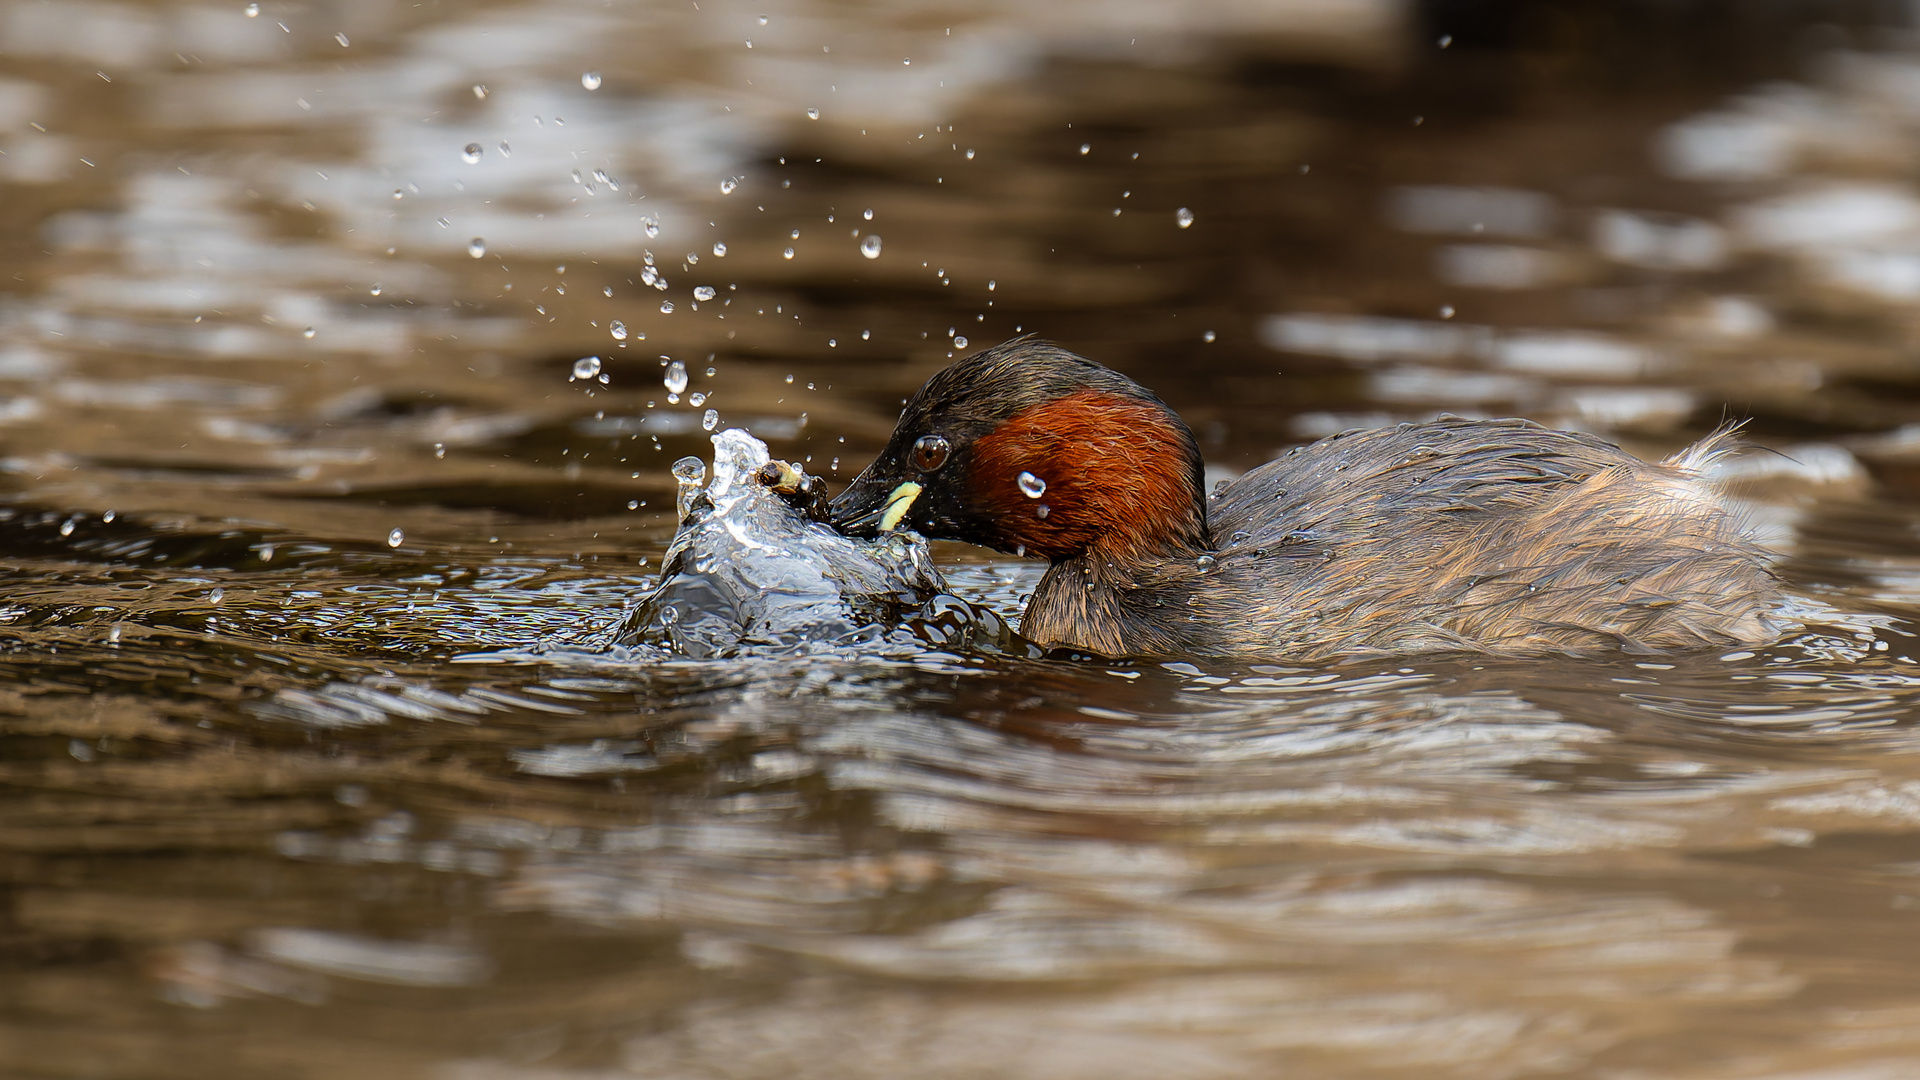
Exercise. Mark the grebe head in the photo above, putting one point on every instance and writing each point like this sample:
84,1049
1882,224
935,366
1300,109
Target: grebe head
1027,448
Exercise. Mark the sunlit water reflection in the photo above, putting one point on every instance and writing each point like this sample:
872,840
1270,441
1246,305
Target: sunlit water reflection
344,354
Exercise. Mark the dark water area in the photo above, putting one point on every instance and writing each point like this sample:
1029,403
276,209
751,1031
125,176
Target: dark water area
345,349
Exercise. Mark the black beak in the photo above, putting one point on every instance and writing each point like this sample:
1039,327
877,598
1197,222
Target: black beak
874,503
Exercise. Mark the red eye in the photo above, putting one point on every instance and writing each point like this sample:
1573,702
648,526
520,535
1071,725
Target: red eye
930,452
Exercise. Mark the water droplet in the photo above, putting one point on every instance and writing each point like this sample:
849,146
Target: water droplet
870,246
689,473
66,527
720,250
676,378
726,188
1183,217
763,20
375,291
396,538
109,516
1042,510
252,10
969,154
813,113
991,285
618,329
696,399
1032,486
704,292
480,91
586,367
308,333
439,451
216,596
789,380
867,214
1446,311
794,235
666,307
505,150
710,419
471,155
787,254
1086,148
1204,563
865,335
398,194
960,342
711,371
633,504
1446,40
342,39
477,247
1208,337
590,80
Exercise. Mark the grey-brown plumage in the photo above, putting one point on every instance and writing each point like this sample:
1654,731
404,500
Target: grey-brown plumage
1484,535
1497,536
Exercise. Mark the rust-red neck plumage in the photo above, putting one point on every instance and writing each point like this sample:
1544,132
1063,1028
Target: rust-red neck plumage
1091,472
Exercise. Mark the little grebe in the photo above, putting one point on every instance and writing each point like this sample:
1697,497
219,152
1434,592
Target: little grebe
1485,535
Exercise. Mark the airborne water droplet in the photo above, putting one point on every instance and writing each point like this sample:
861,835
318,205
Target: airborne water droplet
396,538
375,291
704,292
1183,217
1209,337
666,307
1032,486
696,399
720,250
652,227
398,194
1086,148
710,419
477,247
787,254
726,188
471,155
590,80
676,378
618,329
969,154
252,10
867,214
480,91
870,247
308,333
959,342
813,113
689,473
586,367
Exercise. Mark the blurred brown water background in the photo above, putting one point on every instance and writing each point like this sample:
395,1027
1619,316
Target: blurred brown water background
336,344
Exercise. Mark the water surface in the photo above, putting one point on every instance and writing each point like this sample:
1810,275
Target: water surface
312,763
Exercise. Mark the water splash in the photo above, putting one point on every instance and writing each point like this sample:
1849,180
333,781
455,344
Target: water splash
753,566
